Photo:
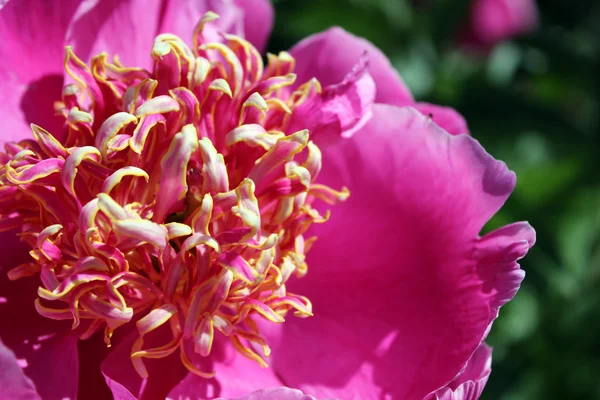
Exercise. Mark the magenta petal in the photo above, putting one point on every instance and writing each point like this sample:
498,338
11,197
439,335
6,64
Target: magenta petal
181,16
258,21
48,348
236,376
93,27
123,380
469,384
92,352
497,254
50,355
119,391
447,118
330,55
31,50
281,393
403,287
14,383
340,109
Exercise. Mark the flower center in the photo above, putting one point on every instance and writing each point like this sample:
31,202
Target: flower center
178,198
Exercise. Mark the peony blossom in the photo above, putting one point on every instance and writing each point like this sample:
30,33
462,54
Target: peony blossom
493,21
182,220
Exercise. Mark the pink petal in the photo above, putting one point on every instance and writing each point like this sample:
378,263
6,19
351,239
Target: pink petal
48,347
469,384
124,381
119,391
15,385
403,288
330,55
32,52
281,393
92,29
258,21
495,20
181,16
497,254
91,381
236,375
447,118
340,109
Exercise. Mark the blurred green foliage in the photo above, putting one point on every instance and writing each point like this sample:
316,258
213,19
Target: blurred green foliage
534,103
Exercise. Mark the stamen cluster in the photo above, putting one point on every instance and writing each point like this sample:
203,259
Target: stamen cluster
175,198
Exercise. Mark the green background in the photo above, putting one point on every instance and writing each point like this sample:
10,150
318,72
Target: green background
534,103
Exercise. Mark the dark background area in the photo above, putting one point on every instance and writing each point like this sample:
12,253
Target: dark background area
533,102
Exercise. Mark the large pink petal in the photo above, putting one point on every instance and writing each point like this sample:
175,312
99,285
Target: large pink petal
281,393
181,16
123,380
330,55
92,352
469,384
236,375
32,52
126,28
48,348
258,21
403,288
138,22
15,385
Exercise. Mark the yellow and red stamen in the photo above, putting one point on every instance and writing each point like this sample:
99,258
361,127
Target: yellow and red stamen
177,199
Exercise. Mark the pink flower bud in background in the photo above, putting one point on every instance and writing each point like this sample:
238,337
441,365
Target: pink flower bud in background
494,21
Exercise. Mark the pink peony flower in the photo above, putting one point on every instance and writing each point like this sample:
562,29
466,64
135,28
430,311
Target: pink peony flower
493,21
167,210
